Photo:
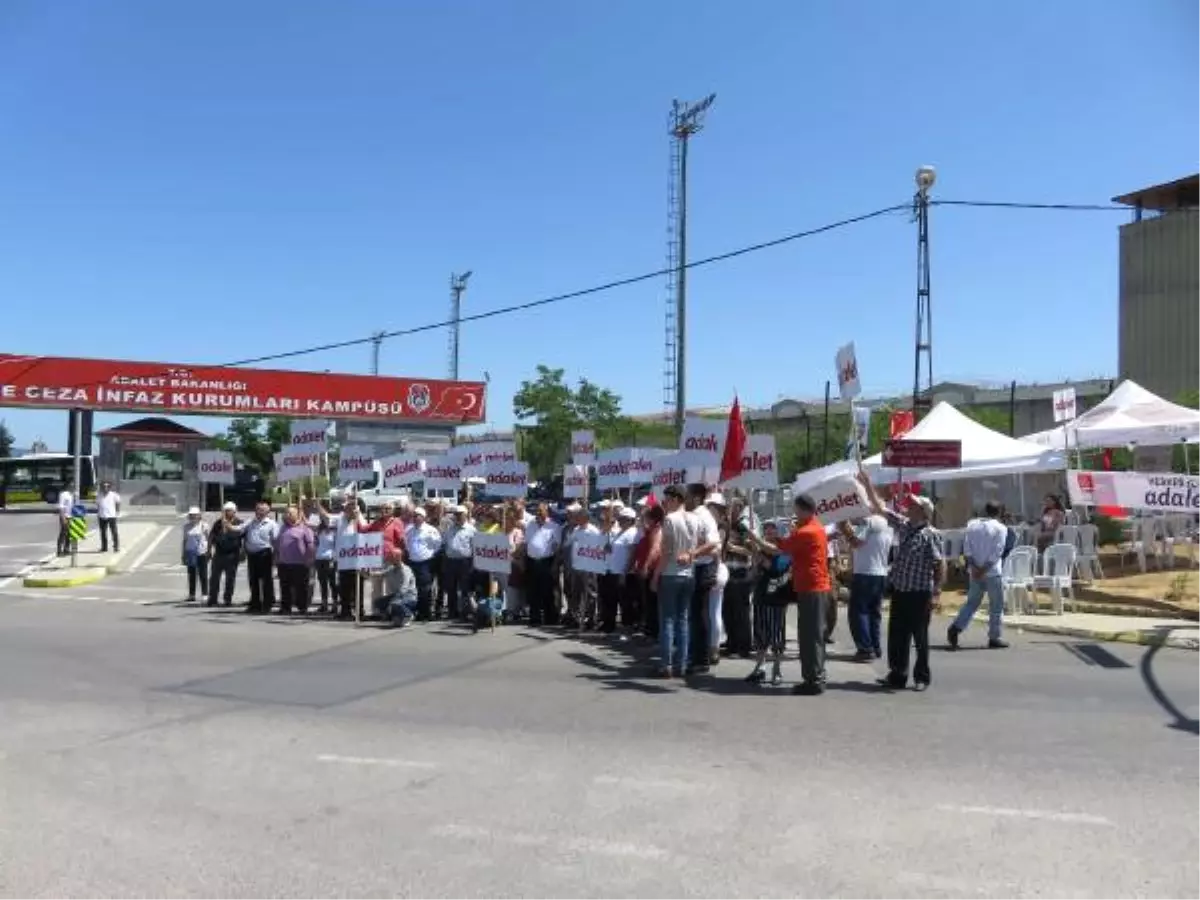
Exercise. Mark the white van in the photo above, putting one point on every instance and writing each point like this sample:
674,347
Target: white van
370,490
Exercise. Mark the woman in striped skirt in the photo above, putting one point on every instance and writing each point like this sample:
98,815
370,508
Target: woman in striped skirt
772,595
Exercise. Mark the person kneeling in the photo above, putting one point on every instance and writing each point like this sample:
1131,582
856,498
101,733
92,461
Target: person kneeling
489,608
398,601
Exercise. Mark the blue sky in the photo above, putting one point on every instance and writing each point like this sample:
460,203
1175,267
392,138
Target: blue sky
208,181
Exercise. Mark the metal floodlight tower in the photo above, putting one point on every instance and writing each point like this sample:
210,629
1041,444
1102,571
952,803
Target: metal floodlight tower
922,398
686,119
458,284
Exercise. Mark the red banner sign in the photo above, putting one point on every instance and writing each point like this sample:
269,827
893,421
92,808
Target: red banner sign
908,454
117,386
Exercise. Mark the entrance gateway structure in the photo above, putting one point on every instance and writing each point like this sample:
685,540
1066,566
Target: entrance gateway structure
397,410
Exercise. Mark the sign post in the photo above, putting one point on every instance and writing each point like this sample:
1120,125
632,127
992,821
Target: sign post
362,555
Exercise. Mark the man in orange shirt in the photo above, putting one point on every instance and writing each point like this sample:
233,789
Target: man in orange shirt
808,548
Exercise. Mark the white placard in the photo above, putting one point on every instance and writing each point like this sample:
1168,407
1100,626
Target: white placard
364,552
847,372
589,553
842,497
356,462
401,469
641,463
443,472
292,465
492,553
703,441
583,448
575,481
1152,491
667,470
1064,404
612,468
309,436
760,468
215,466
473,459
506,479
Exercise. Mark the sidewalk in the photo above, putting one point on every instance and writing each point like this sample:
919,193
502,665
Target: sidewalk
1180,634
93,565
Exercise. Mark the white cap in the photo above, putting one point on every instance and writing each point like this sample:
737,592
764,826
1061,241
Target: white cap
193,510
419,511
230,506
458,508
604,504
924,502
717,499
574,508
626,512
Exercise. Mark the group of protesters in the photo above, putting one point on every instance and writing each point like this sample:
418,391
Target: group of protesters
690,570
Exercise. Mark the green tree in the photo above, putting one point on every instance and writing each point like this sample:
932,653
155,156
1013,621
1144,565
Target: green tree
6,439
254,440
547,410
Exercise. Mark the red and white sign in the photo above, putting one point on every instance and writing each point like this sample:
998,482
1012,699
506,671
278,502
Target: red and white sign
1155,491
583,447
589,552
1064,405
310,436
847,372
702,441
215,466
474,459
443,472
364,552
401,469
641,463
50,382
760,469
492,553
612,468
291,465
575,481
920,454
668,469
356,462
506,479
839,498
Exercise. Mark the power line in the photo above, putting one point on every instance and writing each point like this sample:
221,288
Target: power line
1062,207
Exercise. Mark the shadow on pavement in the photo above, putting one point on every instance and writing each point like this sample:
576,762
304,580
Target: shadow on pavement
1180,721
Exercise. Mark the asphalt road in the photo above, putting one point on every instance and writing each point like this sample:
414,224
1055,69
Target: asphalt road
147,748
25,539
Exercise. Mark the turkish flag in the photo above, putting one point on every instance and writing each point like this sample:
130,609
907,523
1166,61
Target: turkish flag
735,444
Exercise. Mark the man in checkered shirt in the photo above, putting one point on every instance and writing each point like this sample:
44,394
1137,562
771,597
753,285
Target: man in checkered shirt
917,575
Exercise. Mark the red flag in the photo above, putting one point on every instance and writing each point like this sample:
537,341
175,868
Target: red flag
735,444
900,424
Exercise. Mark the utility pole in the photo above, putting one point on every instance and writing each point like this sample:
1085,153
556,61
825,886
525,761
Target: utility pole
458,284
376,343
686,120
922,400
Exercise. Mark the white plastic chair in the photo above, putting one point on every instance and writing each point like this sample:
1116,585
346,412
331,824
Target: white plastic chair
1089,551
1058,564
1174,534
952,547
1144,539
1067,534
1017,578
1071,517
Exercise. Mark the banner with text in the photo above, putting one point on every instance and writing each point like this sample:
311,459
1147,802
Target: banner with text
506,479
703,441
401,470
589,552
1064,404
443,472
575,481
583,448
309,436
612,468
760,469
473,459
292,465
641,463
365,551
492,553
1153,491
356,462
842,497
216,466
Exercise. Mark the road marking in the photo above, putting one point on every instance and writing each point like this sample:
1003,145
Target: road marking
575,845
167,529
375,761
1046,815
36,544
33,566
121,587
640,784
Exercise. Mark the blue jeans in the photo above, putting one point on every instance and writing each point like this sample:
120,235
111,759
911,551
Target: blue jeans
674,613
400,609
994,588
866,601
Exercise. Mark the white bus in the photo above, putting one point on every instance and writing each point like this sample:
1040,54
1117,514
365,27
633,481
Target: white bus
41,477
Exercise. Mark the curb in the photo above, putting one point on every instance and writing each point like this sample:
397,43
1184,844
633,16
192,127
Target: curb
1140,638
85,576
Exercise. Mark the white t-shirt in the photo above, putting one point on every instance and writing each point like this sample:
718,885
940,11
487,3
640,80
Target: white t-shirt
65,502
707,532
622,548
872,557
106,505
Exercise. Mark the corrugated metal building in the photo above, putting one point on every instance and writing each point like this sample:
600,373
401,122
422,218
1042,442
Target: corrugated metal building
1159,336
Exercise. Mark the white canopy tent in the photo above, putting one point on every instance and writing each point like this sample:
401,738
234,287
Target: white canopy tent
1129,415
985,453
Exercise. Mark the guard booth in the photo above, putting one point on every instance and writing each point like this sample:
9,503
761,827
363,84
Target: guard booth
152,463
